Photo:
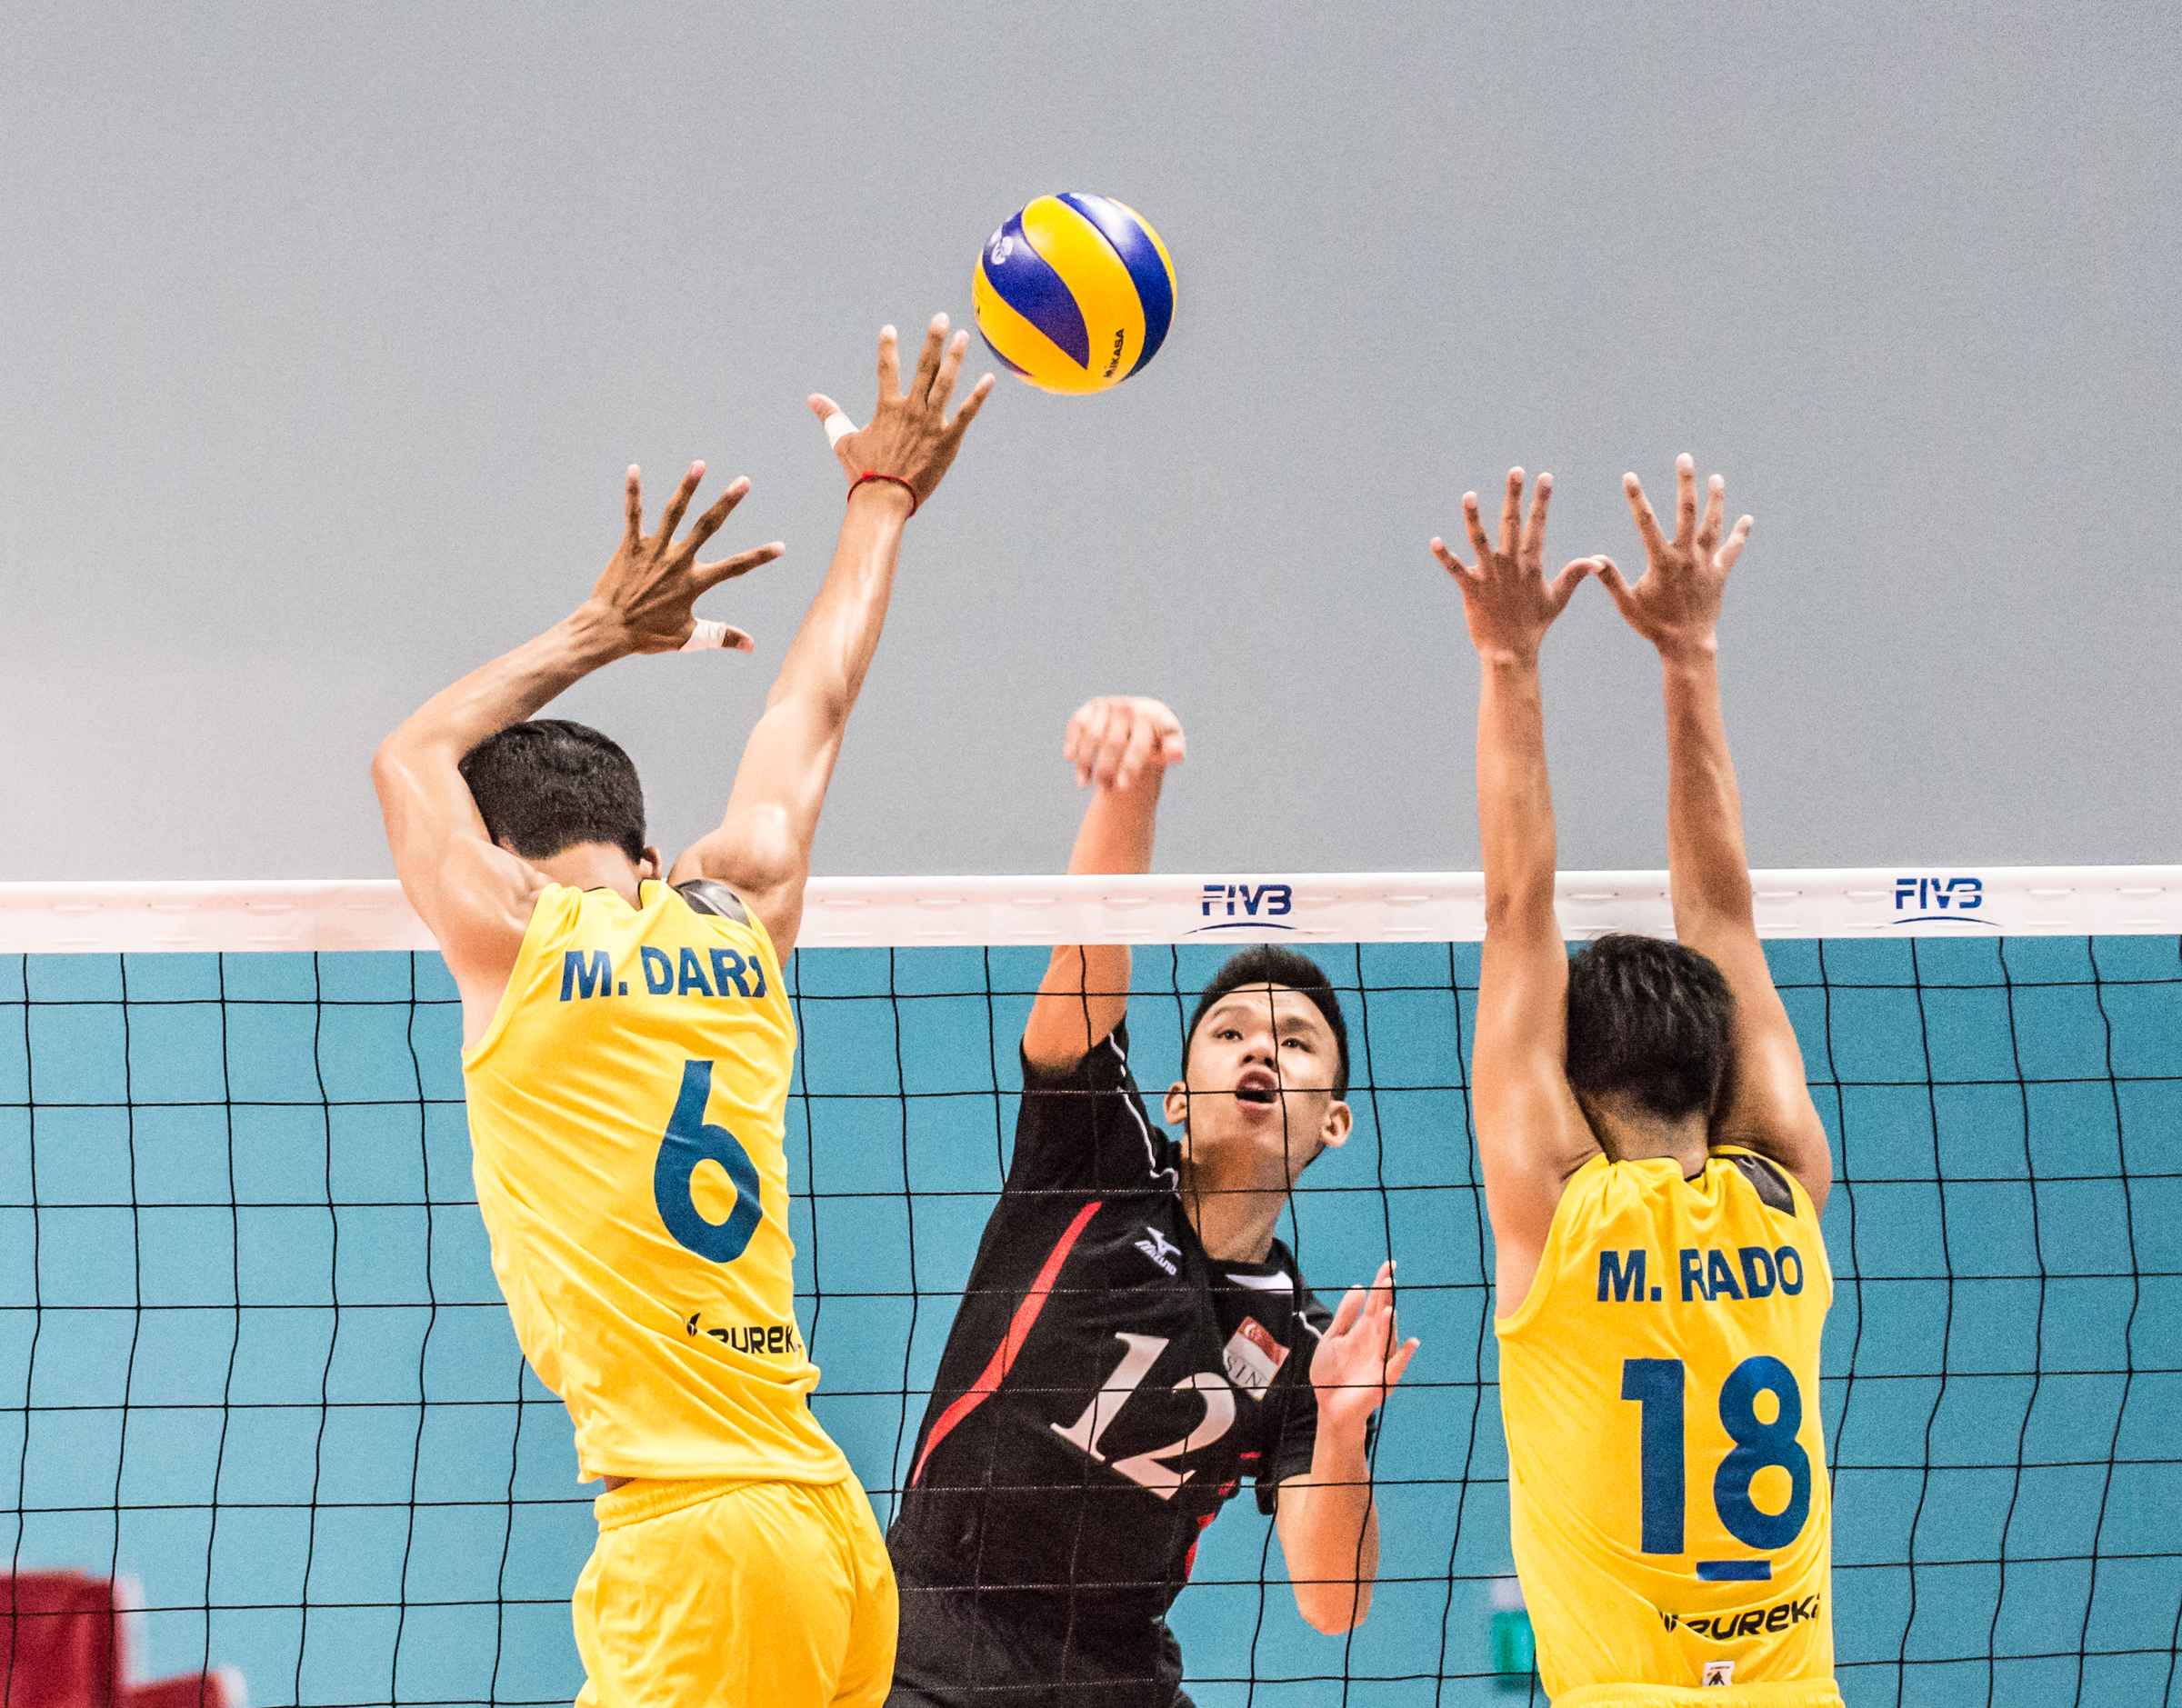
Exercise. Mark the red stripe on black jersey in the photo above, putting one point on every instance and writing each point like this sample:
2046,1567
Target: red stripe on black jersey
1018,1330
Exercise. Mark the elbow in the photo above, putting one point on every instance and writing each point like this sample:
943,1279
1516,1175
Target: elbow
1519,907
387,764
1334,1610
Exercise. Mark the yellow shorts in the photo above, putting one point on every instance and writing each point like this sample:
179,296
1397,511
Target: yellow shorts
727,1594
1816,1693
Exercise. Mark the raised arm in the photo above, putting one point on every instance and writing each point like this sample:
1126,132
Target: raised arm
475,896
1765,1104
763,845
1531,1133
1120,747
1327,1520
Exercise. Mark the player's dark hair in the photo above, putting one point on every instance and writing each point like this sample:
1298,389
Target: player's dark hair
1269,963
549,785
1650,1019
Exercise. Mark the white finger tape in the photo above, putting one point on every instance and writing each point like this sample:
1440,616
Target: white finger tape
838,426
706,634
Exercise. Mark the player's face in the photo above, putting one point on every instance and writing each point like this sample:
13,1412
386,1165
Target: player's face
1260,1083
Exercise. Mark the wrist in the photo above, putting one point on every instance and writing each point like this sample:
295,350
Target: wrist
891,493
1690,651
597,634
1342,1434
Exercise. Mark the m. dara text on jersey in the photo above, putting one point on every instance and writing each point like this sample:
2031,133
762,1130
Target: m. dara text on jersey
591,973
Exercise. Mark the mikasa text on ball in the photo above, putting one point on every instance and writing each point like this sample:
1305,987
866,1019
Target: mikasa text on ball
1074,294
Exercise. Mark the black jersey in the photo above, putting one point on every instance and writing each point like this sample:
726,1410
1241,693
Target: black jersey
1105,1388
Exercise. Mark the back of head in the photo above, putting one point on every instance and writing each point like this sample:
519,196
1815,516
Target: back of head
548,785
1269,963
1649,1020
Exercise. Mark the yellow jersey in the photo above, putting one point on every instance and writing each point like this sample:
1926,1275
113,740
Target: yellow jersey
1667,1491
625,1129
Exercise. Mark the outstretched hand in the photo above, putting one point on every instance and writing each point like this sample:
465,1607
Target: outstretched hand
648,588
1676,605
908,437
1361,1356
1506,599
1112,740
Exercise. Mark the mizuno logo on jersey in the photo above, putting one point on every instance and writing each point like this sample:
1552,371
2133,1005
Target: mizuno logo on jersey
1159,1250
1750,1622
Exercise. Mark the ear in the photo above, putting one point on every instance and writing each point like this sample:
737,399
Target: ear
1175,1105
651,866
1340,1119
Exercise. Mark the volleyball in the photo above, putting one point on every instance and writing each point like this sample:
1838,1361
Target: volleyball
1075,293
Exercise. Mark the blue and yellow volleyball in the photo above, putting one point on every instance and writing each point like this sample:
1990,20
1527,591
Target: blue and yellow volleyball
1074,294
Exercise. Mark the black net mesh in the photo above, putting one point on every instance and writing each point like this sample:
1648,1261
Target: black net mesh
252,1354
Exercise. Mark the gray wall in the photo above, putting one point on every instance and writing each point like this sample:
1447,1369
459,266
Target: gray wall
325,336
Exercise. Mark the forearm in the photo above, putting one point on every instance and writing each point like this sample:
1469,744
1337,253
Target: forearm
1515,801
511,688
1332,1542
827,661
1115,837
788,761
1705,857
1085,994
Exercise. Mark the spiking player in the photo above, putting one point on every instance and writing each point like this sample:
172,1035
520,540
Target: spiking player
1654,1169
627,1050
1134,1341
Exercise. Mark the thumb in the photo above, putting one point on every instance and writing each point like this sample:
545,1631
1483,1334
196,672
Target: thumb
832,418
1610,579
1563,584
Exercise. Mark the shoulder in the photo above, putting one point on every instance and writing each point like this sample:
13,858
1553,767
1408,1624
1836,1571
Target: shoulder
1085,1122
1104,1068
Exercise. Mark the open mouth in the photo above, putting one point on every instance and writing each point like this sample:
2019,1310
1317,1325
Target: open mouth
1257,1088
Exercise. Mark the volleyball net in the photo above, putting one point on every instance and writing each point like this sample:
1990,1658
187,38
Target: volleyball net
253,1356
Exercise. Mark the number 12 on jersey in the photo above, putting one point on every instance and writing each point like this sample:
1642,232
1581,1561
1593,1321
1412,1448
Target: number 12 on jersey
1657,1385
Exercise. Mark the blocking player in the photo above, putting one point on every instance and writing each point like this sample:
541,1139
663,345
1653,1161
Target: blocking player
1654,1170
626,1055
1134,1341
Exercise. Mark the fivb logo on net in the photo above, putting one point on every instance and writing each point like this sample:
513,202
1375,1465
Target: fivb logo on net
1951,901
1226,905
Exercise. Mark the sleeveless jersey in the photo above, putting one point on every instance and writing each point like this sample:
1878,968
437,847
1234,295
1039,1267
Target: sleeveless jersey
1667,1490
626,1127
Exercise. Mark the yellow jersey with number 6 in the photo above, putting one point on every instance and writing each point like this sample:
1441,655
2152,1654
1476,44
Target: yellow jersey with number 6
1667,1491
626,1109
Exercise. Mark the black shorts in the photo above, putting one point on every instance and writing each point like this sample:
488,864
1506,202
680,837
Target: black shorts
999,1648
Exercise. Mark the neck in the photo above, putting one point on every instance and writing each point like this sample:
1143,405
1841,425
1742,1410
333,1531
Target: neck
594,865
1629,1132
1234,1220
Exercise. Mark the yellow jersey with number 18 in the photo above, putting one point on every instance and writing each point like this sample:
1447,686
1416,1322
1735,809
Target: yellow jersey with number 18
1667,1493
625,1129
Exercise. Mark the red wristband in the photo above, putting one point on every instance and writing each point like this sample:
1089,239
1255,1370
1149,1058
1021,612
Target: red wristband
872,473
